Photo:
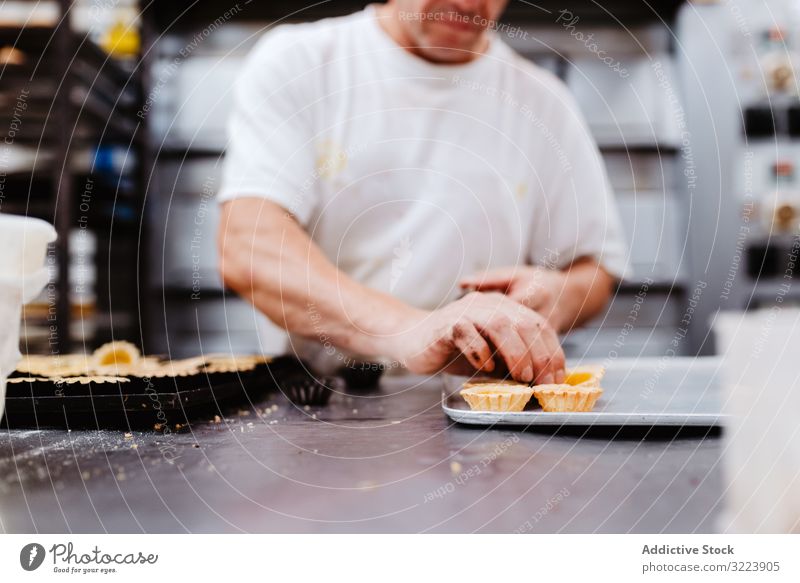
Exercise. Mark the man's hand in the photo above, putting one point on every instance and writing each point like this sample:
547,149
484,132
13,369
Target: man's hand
565,298
535,287
485,332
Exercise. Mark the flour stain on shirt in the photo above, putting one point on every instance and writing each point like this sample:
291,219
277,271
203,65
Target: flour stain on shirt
331,159
402,257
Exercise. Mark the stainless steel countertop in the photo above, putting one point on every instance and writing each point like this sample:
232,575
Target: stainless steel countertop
387,461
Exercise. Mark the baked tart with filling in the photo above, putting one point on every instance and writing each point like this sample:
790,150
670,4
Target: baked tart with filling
577,394
117,353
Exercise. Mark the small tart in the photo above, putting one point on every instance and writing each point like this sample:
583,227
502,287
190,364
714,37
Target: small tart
117,353
496,396
566,398
54,366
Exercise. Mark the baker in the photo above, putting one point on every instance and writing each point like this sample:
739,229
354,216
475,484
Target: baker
400,184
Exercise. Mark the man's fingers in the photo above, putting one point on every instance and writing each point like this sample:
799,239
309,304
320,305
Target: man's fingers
494,279
522,340
561,375
485,284
473,346
511,347
558,361
545,351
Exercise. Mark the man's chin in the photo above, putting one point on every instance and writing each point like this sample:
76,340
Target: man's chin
449,53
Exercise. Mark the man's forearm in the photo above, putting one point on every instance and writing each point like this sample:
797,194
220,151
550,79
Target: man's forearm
270,260
584,293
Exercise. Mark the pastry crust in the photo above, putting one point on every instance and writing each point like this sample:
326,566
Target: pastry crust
492,382
83,380
229,368
230,364
248,361
123,359
127,362
54,366
174,368
496,396
577,394
567,398
16,380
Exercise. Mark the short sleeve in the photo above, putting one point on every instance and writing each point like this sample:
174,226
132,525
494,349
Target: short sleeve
579,217
268,154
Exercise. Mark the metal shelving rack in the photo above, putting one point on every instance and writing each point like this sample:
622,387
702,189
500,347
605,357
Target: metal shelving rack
81,98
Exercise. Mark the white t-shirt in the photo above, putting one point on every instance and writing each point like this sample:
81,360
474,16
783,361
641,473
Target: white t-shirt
410,175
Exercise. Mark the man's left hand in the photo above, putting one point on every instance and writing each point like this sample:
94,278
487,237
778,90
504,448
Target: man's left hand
537,288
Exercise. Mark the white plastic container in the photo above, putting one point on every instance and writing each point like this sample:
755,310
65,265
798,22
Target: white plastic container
23,249
761,451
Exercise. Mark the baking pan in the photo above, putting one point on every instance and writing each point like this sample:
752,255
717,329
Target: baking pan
112,405
676,392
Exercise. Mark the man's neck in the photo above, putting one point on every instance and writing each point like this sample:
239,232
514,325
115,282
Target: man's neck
389,20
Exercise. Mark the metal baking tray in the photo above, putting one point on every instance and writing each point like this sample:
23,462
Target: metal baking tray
131,404
673,392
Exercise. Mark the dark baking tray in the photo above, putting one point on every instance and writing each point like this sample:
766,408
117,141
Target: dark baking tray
167,403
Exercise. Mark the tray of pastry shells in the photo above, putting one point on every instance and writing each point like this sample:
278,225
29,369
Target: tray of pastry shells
629,393
118,387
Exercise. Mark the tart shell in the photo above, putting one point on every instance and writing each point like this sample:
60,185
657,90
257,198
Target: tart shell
505,397
567,398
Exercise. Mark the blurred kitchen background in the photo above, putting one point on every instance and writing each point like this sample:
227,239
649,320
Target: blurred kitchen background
113,128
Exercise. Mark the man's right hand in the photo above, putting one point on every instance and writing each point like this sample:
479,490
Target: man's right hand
483,332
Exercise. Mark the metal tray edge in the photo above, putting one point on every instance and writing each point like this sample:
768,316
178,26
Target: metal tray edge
540,418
